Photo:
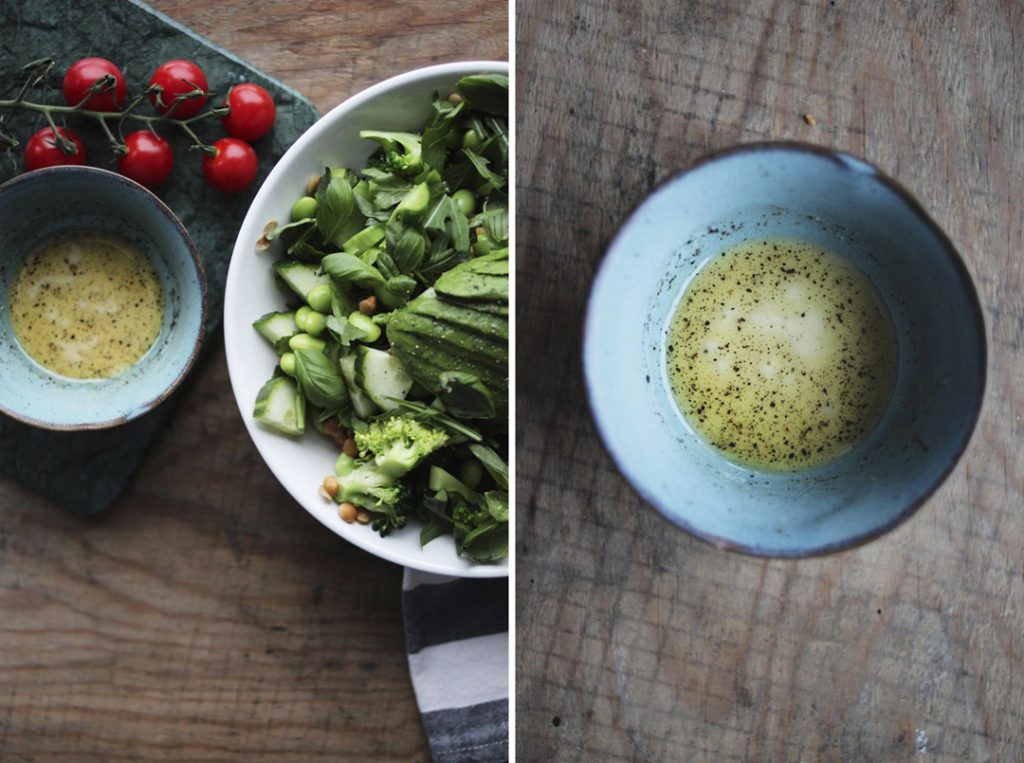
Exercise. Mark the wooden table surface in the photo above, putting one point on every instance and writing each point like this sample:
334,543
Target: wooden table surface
637,642
207,616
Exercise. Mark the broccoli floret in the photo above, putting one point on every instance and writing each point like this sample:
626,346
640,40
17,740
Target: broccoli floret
364,484
402,152
470,516
398,443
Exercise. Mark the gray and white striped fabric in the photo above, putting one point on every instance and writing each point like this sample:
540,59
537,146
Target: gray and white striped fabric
456,637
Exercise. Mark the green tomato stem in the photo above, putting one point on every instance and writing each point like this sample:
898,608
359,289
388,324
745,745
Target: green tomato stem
49,110
65,145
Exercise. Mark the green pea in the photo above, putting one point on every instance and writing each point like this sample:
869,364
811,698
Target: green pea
303,208
365,324
307,342
311,322
471,473
319,298
470,140
287,363
315,324
465,201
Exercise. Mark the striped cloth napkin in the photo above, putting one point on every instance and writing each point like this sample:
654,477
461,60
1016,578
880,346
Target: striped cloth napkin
456,637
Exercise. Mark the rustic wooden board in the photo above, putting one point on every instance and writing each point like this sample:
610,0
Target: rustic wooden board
637,642
207,616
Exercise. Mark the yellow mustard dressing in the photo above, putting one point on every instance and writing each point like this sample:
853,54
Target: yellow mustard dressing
781,355
87,305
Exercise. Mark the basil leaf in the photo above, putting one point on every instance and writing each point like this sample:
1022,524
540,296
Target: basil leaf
434,148
485,92
363,197
320,379
347,268
342,305
486,544
465,396
385,263
497,504
493,463
435,528
409,250
335,206
386,189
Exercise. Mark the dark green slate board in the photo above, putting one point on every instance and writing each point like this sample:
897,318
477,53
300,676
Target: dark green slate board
86,471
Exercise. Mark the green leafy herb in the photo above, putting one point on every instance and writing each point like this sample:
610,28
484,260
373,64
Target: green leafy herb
336,208
465,396
320,379
493,463
485,92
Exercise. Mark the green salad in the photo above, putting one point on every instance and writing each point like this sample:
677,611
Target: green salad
397,344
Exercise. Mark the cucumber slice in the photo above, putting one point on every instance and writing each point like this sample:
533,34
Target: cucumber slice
281,406
361,404
301,277
276,326
382,376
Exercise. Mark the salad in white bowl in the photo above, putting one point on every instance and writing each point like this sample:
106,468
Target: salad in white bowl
366,319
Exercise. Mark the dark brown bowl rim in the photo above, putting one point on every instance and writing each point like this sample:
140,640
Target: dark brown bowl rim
914,206
163,209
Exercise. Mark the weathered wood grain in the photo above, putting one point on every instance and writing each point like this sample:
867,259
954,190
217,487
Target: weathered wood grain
331,49
207,616
637,642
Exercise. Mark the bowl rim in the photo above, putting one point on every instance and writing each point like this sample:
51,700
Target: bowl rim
849,163
242,249
109,176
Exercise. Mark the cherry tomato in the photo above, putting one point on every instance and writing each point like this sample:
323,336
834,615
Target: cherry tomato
80,77
42,150
234,166
252,111
177,77
149,160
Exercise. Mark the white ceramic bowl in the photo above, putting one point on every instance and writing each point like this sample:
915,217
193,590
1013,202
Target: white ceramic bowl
399,103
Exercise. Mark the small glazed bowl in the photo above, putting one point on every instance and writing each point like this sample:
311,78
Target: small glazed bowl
47,202
843,204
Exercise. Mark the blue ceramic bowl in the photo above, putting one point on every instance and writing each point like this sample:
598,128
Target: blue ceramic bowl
39,204
843,204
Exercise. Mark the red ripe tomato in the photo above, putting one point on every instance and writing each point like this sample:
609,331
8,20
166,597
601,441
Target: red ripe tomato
233,167
252,111
80,77
149,160
174,78
42,150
